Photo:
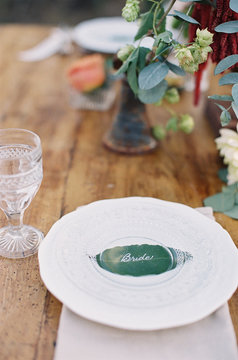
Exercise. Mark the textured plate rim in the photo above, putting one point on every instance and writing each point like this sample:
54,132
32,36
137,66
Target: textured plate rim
93,315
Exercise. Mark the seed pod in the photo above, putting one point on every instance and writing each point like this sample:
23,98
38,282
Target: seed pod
131,10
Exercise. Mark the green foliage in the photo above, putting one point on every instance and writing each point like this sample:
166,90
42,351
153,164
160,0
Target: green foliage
183,122
226,201
185,17
166,37
176,69
222,174
153,95
226,63
133,57
233,213
229,27
159,132
141,62
132,77
221,97
172,95
235,94
136,63
146,69
186,123
235,108
228,79
161,49
222,201
221,107
162,26
147,22
234,5
145,25
225,118
172,124
152,75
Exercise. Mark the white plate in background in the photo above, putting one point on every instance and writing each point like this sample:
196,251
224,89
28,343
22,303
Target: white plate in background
106,35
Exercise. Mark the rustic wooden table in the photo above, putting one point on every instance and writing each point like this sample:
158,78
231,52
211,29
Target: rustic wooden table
79,170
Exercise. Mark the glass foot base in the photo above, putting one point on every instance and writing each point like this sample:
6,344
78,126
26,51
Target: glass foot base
16,243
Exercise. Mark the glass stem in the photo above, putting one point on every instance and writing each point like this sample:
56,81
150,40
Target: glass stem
15,220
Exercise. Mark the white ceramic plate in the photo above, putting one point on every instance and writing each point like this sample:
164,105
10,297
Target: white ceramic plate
106,35
149,302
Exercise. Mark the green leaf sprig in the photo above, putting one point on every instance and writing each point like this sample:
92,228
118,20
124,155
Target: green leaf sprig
146,69
226,201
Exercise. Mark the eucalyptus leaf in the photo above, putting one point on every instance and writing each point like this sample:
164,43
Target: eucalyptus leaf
152,75
236,198
230,189
220,202
234,5
141,260
225,117
235,93
228,79
133,57
233,213
222,174
161,50
235,108
220,107
185,17
143,52
145,24
221,97
176,69
229,27
225,64
132,77
165,36
153,95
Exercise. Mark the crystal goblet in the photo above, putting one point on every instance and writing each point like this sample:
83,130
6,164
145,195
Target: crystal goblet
20,178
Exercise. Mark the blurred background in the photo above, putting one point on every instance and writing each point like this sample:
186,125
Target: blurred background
68,12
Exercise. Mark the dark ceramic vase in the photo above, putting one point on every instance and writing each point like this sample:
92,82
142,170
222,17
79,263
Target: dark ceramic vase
130,132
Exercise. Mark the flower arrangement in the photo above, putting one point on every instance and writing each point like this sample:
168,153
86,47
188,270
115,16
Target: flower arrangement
212,27
212,33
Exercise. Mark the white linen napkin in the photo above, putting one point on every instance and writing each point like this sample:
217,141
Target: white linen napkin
212,338
58,42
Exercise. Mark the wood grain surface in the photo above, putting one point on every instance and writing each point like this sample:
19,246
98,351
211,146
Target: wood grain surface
79,170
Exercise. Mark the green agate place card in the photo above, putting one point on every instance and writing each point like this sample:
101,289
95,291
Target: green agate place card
141,260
